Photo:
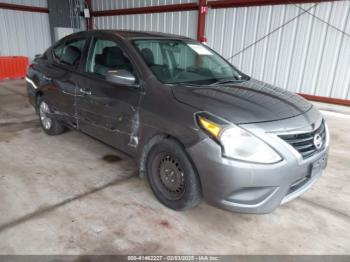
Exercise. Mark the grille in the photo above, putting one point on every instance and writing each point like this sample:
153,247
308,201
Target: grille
304,143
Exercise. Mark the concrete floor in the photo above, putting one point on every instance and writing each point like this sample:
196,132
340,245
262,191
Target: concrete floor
70,194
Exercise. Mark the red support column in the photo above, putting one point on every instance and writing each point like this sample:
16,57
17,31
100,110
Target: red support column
202,11
89,21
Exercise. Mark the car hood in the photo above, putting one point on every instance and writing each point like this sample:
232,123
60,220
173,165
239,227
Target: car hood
241,103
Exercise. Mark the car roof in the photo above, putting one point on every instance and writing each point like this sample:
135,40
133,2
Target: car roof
129,34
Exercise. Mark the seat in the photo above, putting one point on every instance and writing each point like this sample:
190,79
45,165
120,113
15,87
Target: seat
161,71
147,54
115,59
112,58
100,64
71,55
99,59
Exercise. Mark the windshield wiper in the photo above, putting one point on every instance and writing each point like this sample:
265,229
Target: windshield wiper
228,80
184,83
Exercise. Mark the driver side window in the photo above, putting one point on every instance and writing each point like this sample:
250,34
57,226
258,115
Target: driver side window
104,56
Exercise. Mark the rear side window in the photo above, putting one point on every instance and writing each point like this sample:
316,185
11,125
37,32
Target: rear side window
106,55
57,51
69,53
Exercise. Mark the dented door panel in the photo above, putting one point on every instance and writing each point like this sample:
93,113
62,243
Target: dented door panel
110,113
59,86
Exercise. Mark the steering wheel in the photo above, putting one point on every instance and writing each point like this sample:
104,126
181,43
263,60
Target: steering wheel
199,70
190,69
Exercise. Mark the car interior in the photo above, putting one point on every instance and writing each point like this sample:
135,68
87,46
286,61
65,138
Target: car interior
112,58
71,55
161,71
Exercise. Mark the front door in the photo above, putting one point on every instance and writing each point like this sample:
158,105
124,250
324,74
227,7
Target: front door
105,110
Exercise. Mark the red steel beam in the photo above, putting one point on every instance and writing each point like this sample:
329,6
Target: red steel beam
25,8
202,10
329,100
244,3
148,10
89,21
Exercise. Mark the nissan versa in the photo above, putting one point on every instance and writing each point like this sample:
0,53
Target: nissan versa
197,126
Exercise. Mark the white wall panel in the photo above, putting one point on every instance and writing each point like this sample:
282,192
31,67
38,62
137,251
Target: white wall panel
24,33
180,23
305,55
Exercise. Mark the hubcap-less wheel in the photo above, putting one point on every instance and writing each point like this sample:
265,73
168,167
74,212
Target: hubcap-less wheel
45,120
170,177
171,174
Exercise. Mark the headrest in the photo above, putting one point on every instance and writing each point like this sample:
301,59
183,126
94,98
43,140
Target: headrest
114,56
112,49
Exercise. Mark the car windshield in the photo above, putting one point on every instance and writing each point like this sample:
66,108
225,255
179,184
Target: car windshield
186,62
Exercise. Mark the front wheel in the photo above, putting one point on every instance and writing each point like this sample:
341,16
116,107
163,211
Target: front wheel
172,176
51,126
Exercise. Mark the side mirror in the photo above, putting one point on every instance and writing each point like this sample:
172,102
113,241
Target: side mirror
37,55
121,77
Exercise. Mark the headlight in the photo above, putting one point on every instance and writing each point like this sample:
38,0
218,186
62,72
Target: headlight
238,143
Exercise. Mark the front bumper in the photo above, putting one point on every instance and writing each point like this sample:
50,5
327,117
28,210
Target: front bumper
255,188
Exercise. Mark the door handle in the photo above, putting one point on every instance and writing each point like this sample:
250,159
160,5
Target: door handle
47,78
85,91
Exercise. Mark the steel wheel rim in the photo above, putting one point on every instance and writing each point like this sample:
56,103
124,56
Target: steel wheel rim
169,175
45,120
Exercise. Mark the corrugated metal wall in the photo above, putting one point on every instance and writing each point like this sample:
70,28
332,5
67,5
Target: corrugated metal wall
65,13
290,46
286,46
181,23
24,33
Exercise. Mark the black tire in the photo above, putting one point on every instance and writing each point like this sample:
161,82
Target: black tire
172,176
55,128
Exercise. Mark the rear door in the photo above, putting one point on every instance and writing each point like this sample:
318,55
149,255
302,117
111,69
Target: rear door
106,110
61,78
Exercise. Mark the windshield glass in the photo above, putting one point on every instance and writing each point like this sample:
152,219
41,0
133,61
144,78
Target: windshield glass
176,61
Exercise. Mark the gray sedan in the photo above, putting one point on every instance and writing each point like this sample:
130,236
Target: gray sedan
198,127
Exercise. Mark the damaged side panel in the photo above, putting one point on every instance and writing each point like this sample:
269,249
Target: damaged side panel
59,88
110,113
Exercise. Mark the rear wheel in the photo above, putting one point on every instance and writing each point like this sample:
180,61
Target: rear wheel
51,126
172,176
